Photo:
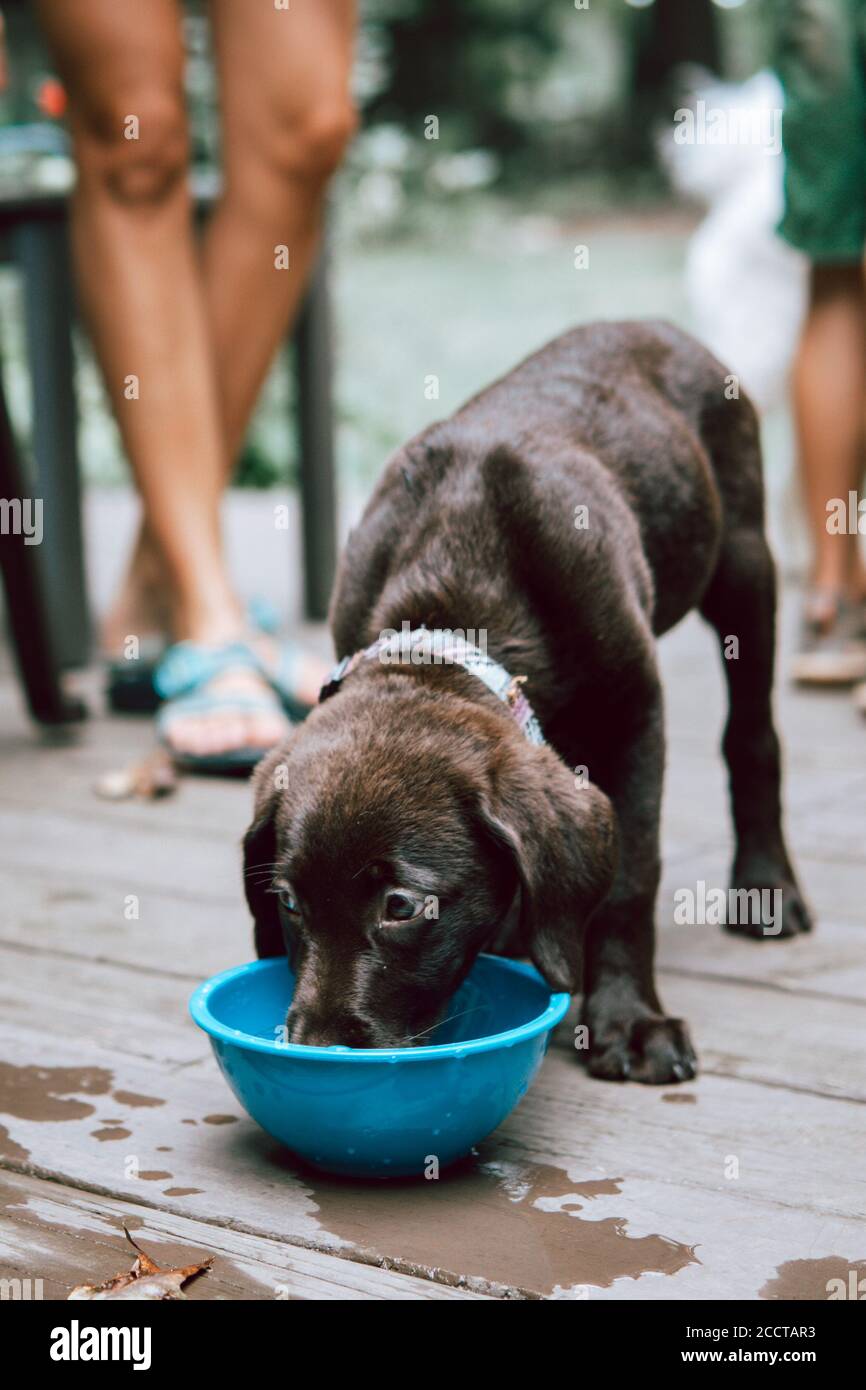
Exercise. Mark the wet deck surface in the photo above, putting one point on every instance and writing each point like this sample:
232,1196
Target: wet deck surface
748,1183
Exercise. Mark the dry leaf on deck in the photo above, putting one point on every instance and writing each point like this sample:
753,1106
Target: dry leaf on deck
144,1281
149,779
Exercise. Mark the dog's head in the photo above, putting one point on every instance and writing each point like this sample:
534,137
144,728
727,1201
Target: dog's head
396,838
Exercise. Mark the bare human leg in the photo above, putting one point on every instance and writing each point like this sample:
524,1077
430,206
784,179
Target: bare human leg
830,416
141,289
286,116
830,410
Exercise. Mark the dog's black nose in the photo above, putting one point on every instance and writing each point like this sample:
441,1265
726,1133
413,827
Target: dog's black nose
312,1031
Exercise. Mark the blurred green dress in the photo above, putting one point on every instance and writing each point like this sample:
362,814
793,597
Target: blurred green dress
820,57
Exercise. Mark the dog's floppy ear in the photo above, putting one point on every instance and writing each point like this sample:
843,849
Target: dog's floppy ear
260,849
562,839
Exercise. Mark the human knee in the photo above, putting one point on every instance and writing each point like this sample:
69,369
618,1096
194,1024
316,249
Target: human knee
138,149
310,146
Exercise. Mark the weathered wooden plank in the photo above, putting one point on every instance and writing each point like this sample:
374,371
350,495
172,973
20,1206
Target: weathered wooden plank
190,936
194,932
833,888
812,1043
67,887
190,939
193,920
586,1188
830,961
200,807
654,1175
30,787
120,1010
695,807
741,1029
65,1237
122,857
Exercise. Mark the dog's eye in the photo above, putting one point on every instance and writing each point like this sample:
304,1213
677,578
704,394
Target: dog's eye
402,907
288,901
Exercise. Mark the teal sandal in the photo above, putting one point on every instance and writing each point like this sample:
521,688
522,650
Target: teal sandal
130,686
283,678
181,681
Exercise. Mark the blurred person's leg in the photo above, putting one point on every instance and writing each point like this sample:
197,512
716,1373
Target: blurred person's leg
830,416
860,587
286,117
142,293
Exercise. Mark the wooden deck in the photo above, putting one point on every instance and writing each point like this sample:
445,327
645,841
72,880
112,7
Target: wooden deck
748,1183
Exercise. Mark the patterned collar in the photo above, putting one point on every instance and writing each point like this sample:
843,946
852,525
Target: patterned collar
423,646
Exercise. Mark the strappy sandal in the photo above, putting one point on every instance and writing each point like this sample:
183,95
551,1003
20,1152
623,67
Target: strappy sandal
283,676
129,684
182,680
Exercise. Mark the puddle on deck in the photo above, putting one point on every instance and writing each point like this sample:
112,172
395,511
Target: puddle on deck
520,1225
526,1226
135,1100
45,1094
821,1280
42,1093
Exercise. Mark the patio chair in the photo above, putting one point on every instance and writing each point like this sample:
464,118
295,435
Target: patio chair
25,604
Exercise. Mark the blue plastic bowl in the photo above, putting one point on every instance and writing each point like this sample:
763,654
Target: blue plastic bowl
381,1112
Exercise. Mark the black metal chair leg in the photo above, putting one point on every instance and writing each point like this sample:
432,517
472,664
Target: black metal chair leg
25,608
314,369
41,250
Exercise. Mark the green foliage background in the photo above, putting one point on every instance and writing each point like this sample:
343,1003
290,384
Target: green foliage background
546,113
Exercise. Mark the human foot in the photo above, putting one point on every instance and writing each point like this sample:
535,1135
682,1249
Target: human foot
832,648
295,672
219,711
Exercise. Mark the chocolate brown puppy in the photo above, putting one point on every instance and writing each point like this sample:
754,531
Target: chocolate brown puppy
572,512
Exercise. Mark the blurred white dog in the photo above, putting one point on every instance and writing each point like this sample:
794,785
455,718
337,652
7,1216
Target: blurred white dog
747,287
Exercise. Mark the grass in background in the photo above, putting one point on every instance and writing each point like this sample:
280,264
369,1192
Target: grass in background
471,295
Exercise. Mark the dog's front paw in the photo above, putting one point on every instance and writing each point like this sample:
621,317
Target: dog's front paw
648,1048
766,903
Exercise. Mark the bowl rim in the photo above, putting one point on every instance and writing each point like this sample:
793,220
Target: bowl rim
199,1008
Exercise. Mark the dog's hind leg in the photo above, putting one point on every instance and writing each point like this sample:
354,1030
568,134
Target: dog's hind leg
740,603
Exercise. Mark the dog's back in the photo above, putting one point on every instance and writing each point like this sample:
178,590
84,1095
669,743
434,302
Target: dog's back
607,463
